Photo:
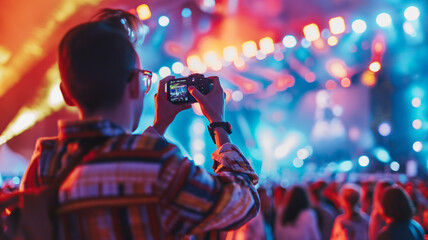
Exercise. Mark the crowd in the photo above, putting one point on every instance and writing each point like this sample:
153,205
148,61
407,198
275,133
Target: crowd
373,210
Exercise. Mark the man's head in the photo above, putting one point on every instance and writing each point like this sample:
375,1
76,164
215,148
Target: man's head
350,195
97,61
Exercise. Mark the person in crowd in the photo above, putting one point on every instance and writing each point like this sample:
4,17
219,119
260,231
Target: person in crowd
398,211
376,222
325,213
131,186
352,224
367,197
331,193
295,219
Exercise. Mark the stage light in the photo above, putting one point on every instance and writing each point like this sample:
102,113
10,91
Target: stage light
155,78
384,129
143,12
359,26
210,58
163,21
305,43
337,25
289,41
249,49
337,68
417,146
411,13
289,143
375,66
409,28
330,85
199,159
194,63
198,127
298,163
186,12
416,102
198,144
303,153
395,166
345,82
383,20
311,32
382,154
368,78
266,45
239,63
217,66
230,53
345,166
237,96
332,41
260,55
363,161
417,124
25,120
177,67
55,99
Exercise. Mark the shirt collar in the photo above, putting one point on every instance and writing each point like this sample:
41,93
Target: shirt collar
94,127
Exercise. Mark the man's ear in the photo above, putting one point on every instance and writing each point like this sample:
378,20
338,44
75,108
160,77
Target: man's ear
67,98
134,87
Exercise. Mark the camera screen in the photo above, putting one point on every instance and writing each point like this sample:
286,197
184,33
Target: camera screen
178,90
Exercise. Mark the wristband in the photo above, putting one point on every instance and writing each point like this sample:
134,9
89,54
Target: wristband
225,125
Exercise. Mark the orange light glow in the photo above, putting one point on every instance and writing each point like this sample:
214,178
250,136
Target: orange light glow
284,82
230,53
197,109
266,45
228,93
194,63
378,47
368,78
239,63
319,44
337,68
210,58
345,82
144,12
311,32
375,66
337,25
332,41
249,49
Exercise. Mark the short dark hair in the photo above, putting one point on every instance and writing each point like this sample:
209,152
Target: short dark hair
96,59
396,204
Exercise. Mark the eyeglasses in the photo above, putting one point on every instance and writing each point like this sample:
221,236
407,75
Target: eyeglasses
146,77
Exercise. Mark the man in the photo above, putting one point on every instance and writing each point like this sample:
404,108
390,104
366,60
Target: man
134,186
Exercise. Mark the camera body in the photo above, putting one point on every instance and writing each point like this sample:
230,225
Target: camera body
178,92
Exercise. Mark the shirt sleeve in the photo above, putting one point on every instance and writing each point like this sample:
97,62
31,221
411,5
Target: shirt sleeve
31,178
195,201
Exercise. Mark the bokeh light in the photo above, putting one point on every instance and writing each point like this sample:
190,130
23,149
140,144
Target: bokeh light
395,166
359,26
411,13
416,102
375,66
363,161
311,32
289,41
383,20
337,25
384,129
163,21
417,146
186,12
417,124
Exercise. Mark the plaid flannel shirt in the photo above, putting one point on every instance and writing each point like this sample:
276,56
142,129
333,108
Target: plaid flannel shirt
140,186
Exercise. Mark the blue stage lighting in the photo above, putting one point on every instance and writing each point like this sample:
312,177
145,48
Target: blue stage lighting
186,12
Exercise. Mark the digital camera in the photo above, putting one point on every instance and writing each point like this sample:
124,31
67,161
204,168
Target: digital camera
178,92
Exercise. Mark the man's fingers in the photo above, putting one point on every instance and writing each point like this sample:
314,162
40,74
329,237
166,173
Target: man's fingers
162,84
195,93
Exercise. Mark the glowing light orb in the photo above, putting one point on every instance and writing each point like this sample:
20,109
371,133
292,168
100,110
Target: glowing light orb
337,25
289,41
298,163
417,146
164,71
417,124
177,67
363,161
303,153
311,32
163,21
143,12
266,45
359,26
237,96
375,66
186,12
332,41
384,129
249,49
383,20
345,82
411,13
199,159
416,102
395,166
230,53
